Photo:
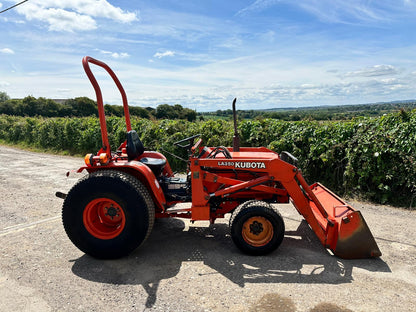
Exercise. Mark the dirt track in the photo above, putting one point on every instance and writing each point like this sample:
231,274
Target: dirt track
183,266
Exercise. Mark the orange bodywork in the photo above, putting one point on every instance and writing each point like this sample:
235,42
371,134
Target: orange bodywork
260,174
221,181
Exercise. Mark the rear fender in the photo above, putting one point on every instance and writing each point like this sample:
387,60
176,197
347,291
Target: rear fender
146,176
142,173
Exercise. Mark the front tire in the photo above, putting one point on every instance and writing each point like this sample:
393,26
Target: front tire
108,214
257,228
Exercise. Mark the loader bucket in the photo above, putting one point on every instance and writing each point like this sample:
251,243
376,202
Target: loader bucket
355,240
347,233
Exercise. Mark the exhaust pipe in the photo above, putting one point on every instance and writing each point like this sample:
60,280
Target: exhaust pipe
236,137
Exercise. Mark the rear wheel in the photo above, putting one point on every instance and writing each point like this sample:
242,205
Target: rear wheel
257,228
108,214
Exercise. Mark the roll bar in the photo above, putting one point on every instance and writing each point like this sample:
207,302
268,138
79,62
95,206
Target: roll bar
101,114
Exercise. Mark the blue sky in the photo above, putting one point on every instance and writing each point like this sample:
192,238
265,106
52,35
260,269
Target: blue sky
202,54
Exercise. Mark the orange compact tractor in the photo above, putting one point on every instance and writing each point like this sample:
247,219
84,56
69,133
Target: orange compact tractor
111,210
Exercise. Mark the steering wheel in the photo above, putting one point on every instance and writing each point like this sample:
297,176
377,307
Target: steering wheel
190,141
220,149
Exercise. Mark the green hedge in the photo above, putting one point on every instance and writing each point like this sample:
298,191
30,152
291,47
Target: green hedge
373,158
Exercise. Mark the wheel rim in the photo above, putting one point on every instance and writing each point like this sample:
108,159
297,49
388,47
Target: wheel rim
257,231
104,218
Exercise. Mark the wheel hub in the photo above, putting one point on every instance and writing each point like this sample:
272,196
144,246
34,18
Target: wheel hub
111,212
256,228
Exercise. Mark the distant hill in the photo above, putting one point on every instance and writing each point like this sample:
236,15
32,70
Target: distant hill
324,112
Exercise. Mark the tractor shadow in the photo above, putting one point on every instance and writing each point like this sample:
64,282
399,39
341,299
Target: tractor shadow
299,259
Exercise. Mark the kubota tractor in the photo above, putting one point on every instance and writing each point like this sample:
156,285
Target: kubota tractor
111,210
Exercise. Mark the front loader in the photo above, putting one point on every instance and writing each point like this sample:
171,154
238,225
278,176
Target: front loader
111,210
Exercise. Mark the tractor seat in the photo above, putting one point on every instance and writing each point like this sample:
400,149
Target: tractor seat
155,164
134,147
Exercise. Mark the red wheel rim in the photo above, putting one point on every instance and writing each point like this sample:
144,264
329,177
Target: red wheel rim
104,218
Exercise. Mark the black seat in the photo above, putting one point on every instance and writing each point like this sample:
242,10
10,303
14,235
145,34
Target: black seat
155,164
134,147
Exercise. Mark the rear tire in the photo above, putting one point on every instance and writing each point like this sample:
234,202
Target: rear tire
108,214
257,228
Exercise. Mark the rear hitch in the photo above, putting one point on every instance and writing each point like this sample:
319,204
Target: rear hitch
60,195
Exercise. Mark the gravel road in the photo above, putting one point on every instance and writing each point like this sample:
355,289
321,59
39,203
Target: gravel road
183,266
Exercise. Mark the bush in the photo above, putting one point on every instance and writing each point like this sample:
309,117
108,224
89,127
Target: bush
374,158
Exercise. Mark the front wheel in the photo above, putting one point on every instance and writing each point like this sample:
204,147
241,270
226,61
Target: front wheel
257,228
108,214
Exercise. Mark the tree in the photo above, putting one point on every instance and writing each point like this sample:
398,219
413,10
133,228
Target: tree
4,97
113,110
8,107
82,106
165,111
139,111
29,106
49,108
189,114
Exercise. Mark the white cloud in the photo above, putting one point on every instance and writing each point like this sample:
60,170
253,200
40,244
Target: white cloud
209,88
95,8
73,15
6,51
257,5
63,90
340,11
120,55
374,71
61,20
159,55
115,55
